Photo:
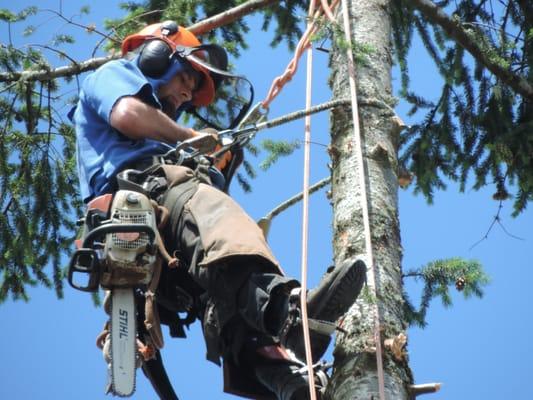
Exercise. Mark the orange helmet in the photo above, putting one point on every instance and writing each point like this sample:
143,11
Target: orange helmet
162,43
174,36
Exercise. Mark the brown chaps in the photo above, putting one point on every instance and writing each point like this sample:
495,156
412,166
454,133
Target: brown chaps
227,256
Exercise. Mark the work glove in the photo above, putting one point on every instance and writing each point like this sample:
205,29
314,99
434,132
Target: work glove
204,141
219,162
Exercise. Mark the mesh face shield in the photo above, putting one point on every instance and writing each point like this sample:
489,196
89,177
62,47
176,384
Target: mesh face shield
234,94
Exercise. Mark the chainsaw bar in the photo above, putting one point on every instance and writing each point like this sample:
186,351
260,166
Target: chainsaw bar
123,342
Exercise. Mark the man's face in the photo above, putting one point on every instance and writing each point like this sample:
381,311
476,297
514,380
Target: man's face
175,92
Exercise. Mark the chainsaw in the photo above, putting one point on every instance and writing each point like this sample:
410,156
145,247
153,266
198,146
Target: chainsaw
118,251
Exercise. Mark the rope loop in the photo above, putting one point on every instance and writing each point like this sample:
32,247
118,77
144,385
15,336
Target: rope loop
303,44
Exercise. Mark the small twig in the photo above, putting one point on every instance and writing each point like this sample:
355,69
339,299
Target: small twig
6,209
496,219
61,53
49,116
144,14
505,230
300,142
8,87
85,27
114,28
494,28
8,116
488,230
412,274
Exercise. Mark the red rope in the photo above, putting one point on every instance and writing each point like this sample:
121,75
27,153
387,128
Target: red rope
279,82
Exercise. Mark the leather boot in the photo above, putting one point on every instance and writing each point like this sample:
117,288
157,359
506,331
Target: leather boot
330,300
290,381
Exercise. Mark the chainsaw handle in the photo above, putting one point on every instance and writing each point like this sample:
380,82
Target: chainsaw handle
84,261
117,228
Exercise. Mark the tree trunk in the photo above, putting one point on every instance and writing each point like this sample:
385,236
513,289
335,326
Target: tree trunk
355,374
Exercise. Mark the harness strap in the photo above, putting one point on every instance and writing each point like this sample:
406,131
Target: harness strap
176,198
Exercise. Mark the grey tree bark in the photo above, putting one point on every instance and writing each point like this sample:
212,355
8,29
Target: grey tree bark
355,372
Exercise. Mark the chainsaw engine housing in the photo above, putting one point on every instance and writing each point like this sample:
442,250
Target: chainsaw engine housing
129,256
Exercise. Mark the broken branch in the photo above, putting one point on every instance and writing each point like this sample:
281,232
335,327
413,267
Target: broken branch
417,390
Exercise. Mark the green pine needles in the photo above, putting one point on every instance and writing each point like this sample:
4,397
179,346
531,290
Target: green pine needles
38,184
38,189
467,277
276,149
478,127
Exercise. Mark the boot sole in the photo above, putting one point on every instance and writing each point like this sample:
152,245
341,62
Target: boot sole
343,292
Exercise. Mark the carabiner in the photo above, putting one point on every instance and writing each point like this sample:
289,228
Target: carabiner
257,114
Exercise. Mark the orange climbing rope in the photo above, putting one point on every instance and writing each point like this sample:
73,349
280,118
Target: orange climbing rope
303,44
305,217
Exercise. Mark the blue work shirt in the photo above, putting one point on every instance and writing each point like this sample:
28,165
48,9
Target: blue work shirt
101,150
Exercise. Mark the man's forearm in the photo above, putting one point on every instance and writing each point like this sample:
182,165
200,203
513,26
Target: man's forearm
137,120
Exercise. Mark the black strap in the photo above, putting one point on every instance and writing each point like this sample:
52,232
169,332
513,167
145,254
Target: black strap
154,370
176,197
230,169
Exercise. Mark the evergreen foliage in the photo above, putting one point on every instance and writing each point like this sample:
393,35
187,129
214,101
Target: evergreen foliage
467,277
38,185
277,149
477,127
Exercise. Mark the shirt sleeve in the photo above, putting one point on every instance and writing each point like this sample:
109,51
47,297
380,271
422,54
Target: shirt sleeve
113,81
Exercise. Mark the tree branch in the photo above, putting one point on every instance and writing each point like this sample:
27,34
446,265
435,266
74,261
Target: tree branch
47,75
228,16
199,28
454,29
264,223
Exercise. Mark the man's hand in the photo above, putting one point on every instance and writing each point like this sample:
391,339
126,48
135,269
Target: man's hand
204,141
223,159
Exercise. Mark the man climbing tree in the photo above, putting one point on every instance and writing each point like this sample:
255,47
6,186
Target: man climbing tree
125,120
477,126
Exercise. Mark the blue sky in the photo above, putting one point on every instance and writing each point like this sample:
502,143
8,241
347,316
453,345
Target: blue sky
479,349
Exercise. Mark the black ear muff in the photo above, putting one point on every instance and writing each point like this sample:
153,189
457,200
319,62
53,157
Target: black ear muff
154,58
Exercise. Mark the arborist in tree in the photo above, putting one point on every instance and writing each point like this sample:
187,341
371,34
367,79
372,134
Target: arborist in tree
125,119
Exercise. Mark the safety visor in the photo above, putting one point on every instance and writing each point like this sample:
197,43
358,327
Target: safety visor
234,94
